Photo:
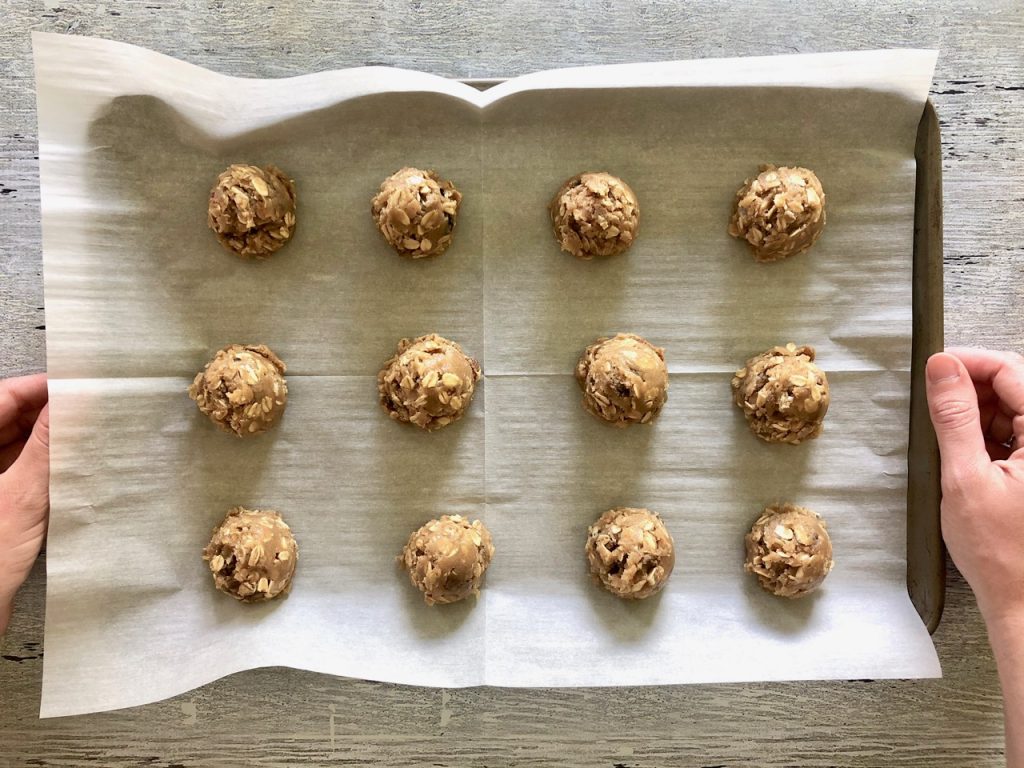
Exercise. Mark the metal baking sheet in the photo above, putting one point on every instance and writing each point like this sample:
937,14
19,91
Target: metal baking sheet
129,141
926,556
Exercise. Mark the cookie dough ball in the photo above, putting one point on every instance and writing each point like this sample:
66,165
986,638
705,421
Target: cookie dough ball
624,379
595,214
429,382
242,389
252,210
789,550
630,552
446,558
415,211
783,394
252,555
780,213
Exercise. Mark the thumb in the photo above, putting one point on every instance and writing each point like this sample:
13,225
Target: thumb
27,482
953,404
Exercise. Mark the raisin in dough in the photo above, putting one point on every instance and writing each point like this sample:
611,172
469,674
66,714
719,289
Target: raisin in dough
242,390
415,211
429,382
595,214
779,213
446,558
252,555
783,394
789,550
624,379
630,552
252,210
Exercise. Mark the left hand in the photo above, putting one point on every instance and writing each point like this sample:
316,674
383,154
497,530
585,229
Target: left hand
24,482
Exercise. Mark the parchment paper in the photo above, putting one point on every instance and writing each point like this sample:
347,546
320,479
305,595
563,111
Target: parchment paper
139,294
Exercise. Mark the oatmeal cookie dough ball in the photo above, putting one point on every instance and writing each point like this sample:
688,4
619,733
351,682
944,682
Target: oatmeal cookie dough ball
783,394
779,213
630,552
624,379
252,555
595,214
429,382
446,558
415,211
252,210
789,550
242,390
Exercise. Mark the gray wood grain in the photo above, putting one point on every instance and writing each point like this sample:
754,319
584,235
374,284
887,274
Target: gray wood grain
281,717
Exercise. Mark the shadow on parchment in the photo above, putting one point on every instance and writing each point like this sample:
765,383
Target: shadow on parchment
612,465
160,167
183,285
427,464
579,301
780,615
686,152
765,474
610,462
434,622
223,471
628,621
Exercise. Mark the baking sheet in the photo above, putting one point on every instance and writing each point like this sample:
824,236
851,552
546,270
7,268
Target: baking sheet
139,294
926,554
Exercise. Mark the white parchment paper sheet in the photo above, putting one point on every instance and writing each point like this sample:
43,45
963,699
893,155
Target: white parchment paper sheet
139,294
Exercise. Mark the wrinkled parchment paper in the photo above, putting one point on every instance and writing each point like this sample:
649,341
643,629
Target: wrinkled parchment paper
139,294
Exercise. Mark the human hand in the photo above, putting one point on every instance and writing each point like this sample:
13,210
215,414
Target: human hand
24,482
976,398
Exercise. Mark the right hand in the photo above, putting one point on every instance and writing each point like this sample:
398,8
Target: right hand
976,399
24,482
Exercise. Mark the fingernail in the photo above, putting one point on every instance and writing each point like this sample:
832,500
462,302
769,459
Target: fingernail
942,367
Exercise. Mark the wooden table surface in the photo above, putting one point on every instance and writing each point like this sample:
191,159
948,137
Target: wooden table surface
282,717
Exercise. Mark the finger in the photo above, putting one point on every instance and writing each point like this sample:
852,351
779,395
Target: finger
953,405
11,432
9,454
997,451
20,398
1017,442
1004,409
987,399
28,479
1000,430
985,392
1004,371
21,394
27,420
988,412
19,429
